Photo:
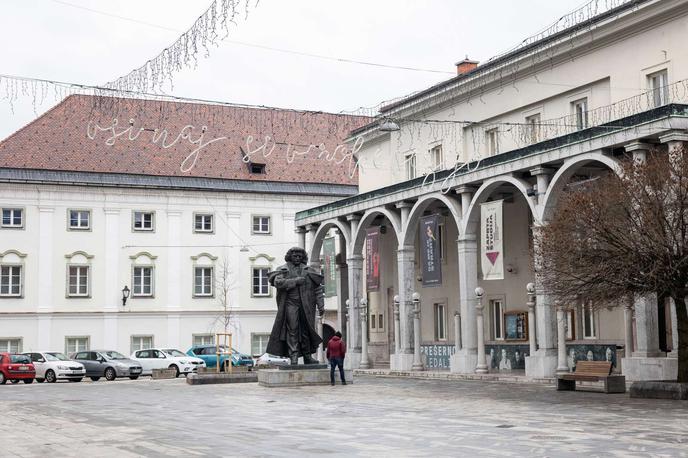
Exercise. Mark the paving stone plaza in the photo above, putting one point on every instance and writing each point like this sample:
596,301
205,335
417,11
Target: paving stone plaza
372,417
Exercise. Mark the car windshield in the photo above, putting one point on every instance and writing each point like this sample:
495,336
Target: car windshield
173,352
56,357
113,355
20,359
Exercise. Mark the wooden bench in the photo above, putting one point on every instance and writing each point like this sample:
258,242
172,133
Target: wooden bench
593,371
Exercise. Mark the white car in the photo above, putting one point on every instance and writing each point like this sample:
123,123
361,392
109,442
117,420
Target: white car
166,358
267,359
52,366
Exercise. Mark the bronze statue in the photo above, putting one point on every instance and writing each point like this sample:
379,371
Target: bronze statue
299,291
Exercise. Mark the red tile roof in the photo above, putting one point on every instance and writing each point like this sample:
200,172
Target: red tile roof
77,135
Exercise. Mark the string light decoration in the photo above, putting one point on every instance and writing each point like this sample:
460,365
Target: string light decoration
184,52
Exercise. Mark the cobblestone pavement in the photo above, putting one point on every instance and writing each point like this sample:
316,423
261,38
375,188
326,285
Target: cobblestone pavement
373,417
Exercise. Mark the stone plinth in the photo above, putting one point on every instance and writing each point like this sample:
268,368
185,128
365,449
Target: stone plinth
659,390
640,368
542,364
163,373
214,378
303,376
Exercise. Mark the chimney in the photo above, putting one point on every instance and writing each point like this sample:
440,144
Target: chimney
466,66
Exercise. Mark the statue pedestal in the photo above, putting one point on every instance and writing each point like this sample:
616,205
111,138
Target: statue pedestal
304,375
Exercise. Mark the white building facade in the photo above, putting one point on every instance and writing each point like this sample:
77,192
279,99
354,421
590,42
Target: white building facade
598,88
193,250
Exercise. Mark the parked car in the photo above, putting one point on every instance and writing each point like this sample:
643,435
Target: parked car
15,368
208,354
52,366
166,358
109,364
266,359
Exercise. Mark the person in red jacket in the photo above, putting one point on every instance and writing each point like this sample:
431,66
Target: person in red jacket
336,351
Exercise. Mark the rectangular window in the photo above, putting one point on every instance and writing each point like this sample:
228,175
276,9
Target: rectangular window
410,162
380,322
144,221
11,281
13,218
260,281
203,281
497,315
203,222
658,84
440,322
143,281
570,325
78,281
588,321
141,343
261,225
10,345
533,124
203,339
437,158
580,113
492,139
372,321
75,344
258,343
440,240
79,220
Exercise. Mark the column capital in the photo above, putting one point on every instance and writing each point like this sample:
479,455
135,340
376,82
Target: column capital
300,230
312,227
353,217
404,204
406,249
465,189
466,238
638,146
354,258
541,171
44,209
674,136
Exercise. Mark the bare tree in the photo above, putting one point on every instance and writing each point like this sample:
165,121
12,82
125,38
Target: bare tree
224,284
623,236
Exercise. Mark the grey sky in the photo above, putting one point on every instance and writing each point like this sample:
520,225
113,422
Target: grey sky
48,39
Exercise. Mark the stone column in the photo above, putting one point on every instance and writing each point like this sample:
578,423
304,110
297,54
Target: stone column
466,359
457,331
638,150
406,273
348,326
314,258
481,367
466,193
561,340
674,140
628,328
545,360
301,237
321,355
674,330
397,340
542,175
365,363
647,327
355,266
530,289
417,361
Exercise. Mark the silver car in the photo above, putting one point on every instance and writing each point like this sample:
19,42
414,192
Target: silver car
107,363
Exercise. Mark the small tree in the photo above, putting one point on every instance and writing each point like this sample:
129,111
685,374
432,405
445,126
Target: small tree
224,283
624,235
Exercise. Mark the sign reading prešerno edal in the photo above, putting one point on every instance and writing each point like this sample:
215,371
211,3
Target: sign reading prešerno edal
430,251
372,247
491,240
329,253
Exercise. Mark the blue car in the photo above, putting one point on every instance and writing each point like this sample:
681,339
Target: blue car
208,353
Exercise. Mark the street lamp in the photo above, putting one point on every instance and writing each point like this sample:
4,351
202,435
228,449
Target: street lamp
388,126
125,295
365,362
417,363
530,289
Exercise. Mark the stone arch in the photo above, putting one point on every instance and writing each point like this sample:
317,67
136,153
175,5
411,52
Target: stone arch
409,231
471,220
565,172
320,233
368,217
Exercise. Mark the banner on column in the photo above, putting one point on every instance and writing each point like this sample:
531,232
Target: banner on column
491,240
330,270
430,251
372,247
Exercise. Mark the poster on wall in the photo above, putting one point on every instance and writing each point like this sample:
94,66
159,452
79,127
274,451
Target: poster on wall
430,251
491,240
330,270
372,251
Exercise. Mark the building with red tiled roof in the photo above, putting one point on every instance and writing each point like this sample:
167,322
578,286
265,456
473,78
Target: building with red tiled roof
185,205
